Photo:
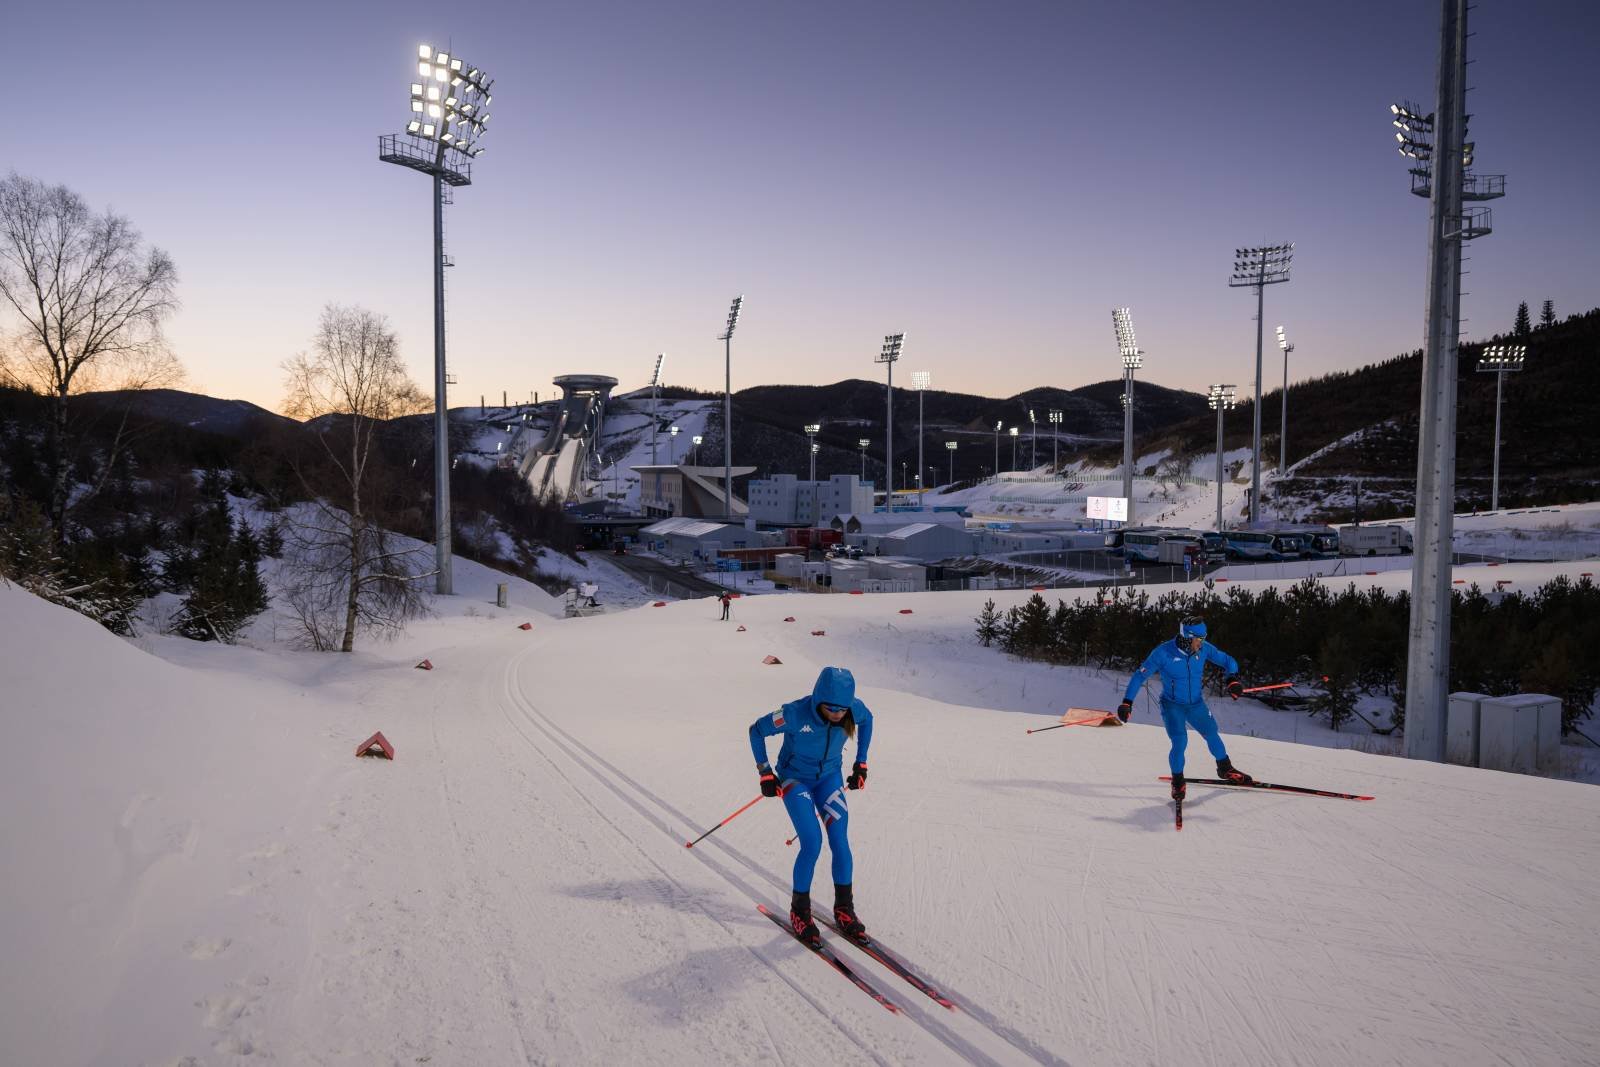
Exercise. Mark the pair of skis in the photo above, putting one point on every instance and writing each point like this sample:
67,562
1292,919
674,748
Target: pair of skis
868,944
1271,787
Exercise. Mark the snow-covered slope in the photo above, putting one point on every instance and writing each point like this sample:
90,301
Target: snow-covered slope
198,867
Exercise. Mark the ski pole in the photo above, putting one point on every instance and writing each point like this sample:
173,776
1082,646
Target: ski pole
720,825
1098,719
1264,688
796,836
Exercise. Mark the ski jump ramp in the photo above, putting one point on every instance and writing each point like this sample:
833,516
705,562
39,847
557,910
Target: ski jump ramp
558,465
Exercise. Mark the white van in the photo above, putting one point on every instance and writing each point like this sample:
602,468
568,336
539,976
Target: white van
1374,541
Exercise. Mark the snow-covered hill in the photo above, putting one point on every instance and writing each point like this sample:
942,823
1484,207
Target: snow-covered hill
198,867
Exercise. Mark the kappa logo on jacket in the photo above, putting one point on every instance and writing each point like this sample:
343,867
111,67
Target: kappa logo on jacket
806,729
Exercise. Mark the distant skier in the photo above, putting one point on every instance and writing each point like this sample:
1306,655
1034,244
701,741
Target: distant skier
1181,663
810,778
726,600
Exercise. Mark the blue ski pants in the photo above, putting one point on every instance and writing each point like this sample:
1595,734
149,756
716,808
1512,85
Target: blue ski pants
1177,718
807,802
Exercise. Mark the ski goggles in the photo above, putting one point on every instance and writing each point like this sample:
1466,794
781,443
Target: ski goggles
833,709
1192,626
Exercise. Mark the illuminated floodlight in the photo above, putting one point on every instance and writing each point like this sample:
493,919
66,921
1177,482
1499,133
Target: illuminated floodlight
1127,346
888,355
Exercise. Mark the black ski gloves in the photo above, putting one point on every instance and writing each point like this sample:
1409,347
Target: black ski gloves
858,776
1125,710
1235,687
769,781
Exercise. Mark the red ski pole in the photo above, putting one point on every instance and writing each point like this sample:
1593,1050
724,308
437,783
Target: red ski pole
1264,688
720,825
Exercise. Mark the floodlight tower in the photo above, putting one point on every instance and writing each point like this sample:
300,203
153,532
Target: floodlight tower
1499,360
920,380
1220,399
726,337
1132,360
862,443
1283,431
448,116
950,446
655,424
1055,441
1437,144
812,429
1014,431
1257,268
997,424
892,344
1033,459
695,455
672,443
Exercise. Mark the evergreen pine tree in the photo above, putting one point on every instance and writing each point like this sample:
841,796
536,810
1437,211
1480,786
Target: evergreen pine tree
1547,315
988,624
1522,327
272,539
250,590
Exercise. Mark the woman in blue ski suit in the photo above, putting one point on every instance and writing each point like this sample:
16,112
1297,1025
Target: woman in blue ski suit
1181,664
810,779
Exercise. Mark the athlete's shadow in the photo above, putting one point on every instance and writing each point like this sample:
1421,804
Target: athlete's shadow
1140,813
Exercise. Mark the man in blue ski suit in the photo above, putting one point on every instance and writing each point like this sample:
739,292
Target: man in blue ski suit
810,779
1181,663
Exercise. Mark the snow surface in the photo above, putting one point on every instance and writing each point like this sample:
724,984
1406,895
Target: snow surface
199,871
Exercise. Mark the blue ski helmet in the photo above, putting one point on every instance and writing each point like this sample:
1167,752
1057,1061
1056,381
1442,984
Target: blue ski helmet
1192,626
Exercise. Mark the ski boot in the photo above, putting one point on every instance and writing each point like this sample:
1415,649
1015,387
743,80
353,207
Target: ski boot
844,913
1229,773
801,922
1179,787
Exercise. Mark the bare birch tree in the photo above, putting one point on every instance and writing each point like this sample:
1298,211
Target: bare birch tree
91,298
344,570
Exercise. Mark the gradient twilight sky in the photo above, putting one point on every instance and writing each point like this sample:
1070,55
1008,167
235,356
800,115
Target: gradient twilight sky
991,178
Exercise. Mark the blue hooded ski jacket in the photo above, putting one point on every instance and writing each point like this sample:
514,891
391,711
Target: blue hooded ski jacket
813,746
1181,672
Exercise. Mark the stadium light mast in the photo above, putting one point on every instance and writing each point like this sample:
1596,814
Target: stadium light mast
812,429
1499,360
1132,360
1438,146
1033,459
449,102
1257,268
1055,441
862,443
655,423
887,355
1220,399
672,443
920,380
1283,431
1014,431
695,441
950,446
998,423
726,337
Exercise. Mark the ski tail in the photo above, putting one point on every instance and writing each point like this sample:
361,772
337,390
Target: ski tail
1273,787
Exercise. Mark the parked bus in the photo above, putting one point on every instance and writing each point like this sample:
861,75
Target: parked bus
1321,542
1374,541
1254,545
1143,546
1209,546
1114,537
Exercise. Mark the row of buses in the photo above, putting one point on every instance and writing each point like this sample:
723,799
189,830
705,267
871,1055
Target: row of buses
1270,544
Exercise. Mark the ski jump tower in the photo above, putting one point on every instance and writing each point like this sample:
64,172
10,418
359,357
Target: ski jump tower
560,464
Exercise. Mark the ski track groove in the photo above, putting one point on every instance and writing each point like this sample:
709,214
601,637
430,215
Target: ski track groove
514,695
503,969
935,1029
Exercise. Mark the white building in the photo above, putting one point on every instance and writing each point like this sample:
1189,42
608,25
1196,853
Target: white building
685,538
925,541
787,501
